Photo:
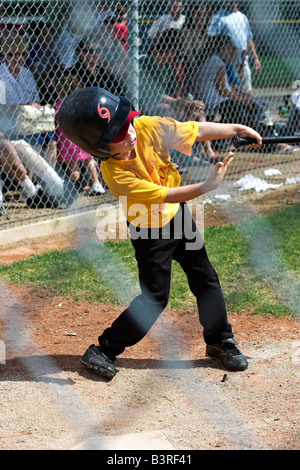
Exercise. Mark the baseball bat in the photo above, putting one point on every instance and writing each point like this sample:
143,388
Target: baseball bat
278,139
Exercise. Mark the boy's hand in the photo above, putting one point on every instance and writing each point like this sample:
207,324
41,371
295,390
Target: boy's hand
219,170
249,132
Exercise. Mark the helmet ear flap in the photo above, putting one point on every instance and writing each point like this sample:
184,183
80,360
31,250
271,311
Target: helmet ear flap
102,153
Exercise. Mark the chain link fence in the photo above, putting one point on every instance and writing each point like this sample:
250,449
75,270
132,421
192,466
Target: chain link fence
191,60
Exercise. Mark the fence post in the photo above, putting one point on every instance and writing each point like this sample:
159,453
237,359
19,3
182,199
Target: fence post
133,52
2,352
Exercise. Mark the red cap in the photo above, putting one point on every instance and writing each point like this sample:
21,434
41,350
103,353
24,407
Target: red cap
123,132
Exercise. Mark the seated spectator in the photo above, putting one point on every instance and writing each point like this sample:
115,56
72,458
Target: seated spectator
21,164
293,123
193,38
222,94
69,154
99,26
40,53
229,100
118,23
162,76
12,166
91,71
20,88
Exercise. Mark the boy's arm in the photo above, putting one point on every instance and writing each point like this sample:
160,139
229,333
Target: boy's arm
215,131
191,191
253,54
212,131
235,92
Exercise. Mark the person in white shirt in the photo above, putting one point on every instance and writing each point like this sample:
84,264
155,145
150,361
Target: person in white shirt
172,20
20,89
232,22
20,155
65,45
20,86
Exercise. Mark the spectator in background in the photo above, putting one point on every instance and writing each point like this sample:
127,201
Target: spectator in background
18,160
116,25
193,38
293,122
66,42
42,62
40,52
91,70
19,82
173,20
120,28
20,88
103,13
229,100
162,89
233,23
68,154
12,166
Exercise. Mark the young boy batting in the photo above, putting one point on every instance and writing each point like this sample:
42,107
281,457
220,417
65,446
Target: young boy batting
136,168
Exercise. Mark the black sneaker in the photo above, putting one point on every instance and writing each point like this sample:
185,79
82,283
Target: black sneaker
229,355
96,360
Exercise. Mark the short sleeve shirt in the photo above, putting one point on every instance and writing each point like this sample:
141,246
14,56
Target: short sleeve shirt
233,24
21,91
141,184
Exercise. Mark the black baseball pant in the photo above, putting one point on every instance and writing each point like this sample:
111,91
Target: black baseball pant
180,240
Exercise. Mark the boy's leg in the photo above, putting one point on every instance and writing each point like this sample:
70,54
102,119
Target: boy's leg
154,259
203,280
205,285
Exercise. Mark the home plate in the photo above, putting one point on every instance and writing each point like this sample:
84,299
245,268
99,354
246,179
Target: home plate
152,440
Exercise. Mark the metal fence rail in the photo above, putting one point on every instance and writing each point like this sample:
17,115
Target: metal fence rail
242,66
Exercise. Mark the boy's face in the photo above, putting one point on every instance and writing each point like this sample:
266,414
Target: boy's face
126,145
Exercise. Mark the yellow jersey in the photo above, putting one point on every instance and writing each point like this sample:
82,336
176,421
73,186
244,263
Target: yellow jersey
141,184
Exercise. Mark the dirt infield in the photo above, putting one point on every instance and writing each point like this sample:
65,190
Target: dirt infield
164,384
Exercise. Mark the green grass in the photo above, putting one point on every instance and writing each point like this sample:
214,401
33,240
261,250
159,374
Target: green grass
257,262
277,72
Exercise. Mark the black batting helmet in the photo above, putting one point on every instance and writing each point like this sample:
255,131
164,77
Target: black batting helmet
93,117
